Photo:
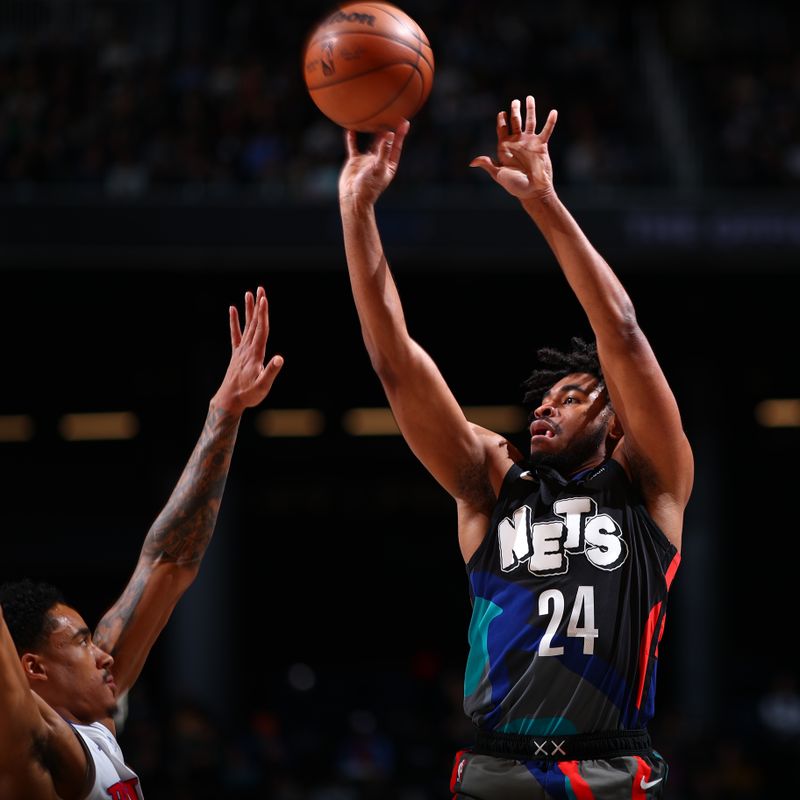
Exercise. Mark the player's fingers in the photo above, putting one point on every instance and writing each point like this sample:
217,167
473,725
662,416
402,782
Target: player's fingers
502,126
530,114
486,164
549,124
399,138
384,144
516,117
350,143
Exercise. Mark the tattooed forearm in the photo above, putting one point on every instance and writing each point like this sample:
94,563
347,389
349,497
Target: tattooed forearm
183,529
118,617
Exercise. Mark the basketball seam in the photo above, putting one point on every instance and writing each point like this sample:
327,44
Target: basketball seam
407,45
420,56
391,38
351,77
379,111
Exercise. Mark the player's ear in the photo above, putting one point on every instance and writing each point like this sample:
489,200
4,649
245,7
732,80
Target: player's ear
614,431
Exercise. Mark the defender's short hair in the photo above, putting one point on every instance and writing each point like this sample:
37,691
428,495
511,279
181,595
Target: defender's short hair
26,605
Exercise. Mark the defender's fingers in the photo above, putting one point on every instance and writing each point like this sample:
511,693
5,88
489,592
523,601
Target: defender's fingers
261,326
269,373
249,303
236,331
261,294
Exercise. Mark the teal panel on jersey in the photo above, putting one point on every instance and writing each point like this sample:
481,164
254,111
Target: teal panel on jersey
546,726
483,612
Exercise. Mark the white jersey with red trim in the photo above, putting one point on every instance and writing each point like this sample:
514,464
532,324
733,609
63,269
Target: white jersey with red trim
113,778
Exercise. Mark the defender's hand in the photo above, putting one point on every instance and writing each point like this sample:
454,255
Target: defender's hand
248,380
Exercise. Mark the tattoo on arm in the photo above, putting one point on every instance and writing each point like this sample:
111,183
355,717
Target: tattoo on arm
182,531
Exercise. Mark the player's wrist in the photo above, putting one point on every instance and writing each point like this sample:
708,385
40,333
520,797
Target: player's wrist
356,205
538,198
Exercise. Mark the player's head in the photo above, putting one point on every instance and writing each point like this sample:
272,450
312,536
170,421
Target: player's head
62,664
571,421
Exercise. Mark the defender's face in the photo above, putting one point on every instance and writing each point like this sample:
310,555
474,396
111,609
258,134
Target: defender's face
571,422
78,681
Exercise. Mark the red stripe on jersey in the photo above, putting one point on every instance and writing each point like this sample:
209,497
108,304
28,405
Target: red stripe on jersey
577,783
644,650
661,632
672,569
649,630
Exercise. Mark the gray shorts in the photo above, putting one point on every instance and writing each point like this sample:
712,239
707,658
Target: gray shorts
483,777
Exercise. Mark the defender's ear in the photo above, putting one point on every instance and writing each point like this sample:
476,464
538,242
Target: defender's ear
33,667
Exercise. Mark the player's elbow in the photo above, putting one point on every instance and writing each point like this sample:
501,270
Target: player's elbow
175,577
624,318
390,360
620,329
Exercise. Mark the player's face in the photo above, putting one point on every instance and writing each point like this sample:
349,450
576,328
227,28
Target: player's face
79,682
569,428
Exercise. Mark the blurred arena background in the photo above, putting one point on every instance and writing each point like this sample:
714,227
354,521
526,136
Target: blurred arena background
158,158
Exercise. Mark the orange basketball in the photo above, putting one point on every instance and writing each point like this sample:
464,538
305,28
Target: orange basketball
367,66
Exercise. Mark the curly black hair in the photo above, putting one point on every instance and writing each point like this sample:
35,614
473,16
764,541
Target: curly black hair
582,357
26,606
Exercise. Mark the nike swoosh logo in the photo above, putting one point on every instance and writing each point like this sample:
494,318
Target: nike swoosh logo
647,784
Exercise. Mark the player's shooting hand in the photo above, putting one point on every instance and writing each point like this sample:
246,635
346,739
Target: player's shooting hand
365,175
248,379
523,167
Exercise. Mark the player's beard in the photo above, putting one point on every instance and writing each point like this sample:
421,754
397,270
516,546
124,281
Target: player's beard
567,462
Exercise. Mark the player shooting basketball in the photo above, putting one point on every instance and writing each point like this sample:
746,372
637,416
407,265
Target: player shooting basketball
570,548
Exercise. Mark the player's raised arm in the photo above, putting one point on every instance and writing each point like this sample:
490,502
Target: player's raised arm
429,417
654,448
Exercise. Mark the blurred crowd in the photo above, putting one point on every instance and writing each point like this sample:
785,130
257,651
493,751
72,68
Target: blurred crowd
208,95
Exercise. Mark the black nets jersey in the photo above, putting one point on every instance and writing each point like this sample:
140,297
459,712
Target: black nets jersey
568,593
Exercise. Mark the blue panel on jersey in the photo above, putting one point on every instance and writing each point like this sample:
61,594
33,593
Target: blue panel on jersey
501,629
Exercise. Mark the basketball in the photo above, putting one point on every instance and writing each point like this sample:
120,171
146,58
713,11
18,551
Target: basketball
367,66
